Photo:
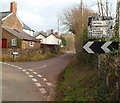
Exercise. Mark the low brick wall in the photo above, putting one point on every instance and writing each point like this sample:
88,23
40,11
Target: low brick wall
21,52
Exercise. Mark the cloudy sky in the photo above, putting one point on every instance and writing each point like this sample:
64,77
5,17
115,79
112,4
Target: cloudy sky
42,15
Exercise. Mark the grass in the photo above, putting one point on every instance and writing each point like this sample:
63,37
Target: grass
36,57
77,83
81,80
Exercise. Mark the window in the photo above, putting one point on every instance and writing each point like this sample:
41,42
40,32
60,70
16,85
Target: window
31,43
14,42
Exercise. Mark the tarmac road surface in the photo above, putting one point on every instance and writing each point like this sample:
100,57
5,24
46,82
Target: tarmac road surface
32,81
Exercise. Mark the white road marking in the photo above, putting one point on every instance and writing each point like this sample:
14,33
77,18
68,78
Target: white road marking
27,72
40,67
19,68
34,80
30,70
16,66
31,76
49,84
35,72
43,66
44,79
12,65
42,90
23,70
4,63
39,76
38,84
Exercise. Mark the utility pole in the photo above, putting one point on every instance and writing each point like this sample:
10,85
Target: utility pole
98,3
107,9
81,5
58,26
82,12
101,4
119,17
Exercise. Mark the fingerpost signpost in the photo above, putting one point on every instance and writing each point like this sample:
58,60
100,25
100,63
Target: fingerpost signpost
100,28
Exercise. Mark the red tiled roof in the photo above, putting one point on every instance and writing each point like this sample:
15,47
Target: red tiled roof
20,34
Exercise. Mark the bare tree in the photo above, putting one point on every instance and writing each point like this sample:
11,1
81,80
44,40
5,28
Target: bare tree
76,20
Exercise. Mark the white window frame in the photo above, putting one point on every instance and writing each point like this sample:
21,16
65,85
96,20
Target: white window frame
31,43
14,42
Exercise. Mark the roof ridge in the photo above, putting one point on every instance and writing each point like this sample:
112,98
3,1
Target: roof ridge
6,12
20,34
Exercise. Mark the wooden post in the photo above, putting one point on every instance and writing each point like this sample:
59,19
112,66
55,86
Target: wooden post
99,64
107,9
119,17
101,4
98,3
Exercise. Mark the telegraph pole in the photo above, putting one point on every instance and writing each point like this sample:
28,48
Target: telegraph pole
101,4
119,17
82,11
107,9
58,26
98,3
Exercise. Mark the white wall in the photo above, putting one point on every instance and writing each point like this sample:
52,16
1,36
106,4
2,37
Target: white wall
52,40
30,32
43,39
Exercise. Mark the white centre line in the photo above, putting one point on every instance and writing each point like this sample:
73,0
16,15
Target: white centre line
42,90
38,84
16,66
31,76
34,80
19,68
44,79
49,84
27,72
39,67
39,76
35,72
12,65
24,70
30,70
43,66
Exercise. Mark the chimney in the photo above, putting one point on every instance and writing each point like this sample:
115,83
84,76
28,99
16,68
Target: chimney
56,33
13,7
52,31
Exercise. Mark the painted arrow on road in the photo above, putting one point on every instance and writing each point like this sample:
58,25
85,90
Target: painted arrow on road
100,47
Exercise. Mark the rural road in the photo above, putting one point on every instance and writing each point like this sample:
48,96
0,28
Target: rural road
32,81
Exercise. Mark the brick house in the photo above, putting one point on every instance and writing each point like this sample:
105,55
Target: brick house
13,31
13,38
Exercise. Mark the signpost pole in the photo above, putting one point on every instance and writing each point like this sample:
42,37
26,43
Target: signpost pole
119,17
116,71
99,64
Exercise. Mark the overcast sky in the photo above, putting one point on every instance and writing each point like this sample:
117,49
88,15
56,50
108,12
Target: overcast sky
42,15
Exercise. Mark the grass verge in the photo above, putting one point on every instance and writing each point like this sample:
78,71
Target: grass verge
36,57
77,83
